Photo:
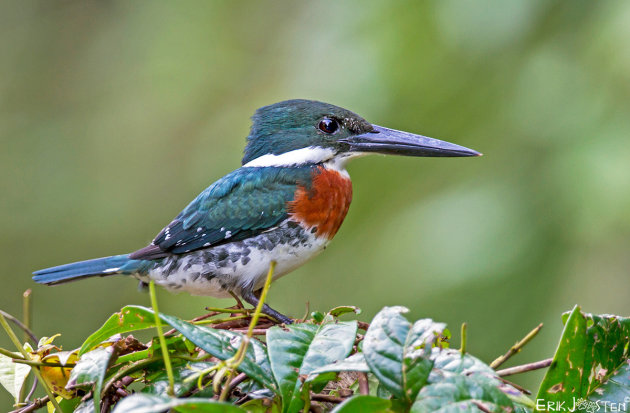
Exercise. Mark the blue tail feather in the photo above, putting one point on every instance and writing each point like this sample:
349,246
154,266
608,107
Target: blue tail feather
116,264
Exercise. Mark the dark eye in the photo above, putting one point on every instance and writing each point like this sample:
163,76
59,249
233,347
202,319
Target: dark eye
328,125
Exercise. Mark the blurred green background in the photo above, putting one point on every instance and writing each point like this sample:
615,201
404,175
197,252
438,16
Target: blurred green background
114,115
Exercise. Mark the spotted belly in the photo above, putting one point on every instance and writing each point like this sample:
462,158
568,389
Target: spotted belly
238,266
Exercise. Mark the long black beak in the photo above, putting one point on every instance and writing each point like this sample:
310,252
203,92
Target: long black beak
393,142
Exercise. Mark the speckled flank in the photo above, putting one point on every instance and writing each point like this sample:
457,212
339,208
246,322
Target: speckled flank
240,265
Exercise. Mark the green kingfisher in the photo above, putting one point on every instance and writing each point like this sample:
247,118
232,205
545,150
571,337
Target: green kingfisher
284,204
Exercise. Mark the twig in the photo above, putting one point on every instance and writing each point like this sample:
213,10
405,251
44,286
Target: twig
21,325
123,373
481,407
363,325
10,354
318,397
201,317
525,368
255,332
26,319
158,326
231,310
126,370
516,386
308,311
106,404
26,312
316,408
364,386
226,325
516,347
243,324
239,303
42,363
126,381
121,392
463,338
238,380
37,404
241,400
33,388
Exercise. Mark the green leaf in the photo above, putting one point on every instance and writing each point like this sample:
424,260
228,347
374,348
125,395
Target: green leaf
12,375
157,382
355,362
317,316
85,407
144,403
450,361
131,357
259,406
175,345
302,349
397,352
91,369
363,404
223,344
591,350
616,390
607,340
130,318
344,309
69,405
382,392
458,393
562,382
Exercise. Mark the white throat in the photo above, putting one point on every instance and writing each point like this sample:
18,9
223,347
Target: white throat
312,154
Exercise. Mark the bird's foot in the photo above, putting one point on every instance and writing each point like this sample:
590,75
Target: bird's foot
251,298
278,316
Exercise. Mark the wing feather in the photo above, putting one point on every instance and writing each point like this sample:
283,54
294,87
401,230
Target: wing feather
242,204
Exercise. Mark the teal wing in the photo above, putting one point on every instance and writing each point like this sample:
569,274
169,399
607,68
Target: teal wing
242,204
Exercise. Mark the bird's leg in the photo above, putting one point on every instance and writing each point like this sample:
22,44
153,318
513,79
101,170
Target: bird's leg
239,304
143,287
252,298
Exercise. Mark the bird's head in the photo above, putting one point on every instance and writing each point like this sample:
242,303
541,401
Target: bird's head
301,131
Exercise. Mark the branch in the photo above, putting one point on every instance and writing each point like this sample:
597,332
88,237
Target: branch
10,354
201,317
481,407
255,332
525,368
516,347
364,386
463,338
42,363
363,325
21,325
37,404
516,386
326,398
